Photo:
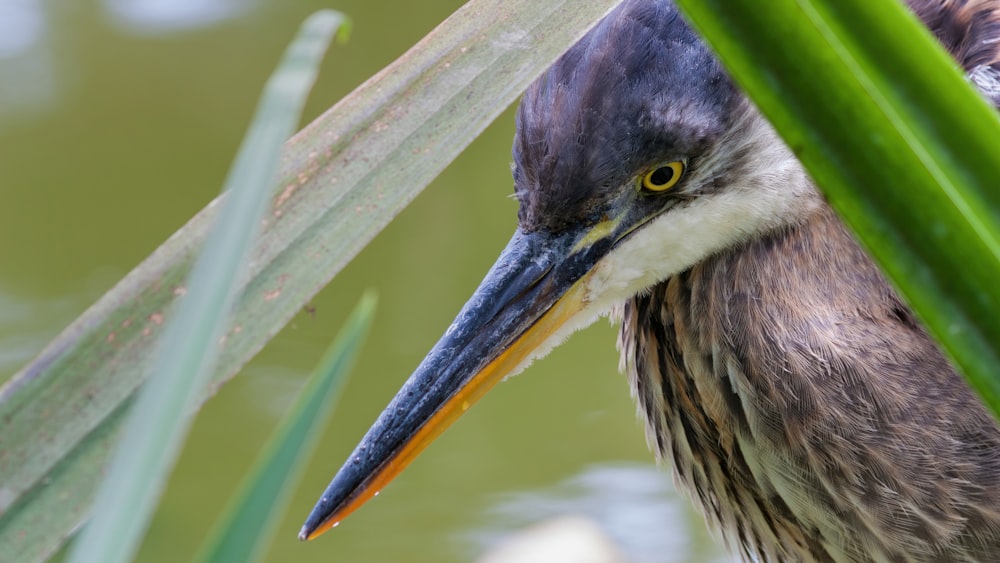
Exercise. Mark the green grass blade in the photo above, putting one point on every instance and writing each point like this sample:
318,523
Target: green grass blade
341,180
164,409
901,144
244,532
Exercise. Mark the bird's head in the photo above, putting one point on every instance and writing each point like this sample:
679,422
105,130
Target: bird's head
635,157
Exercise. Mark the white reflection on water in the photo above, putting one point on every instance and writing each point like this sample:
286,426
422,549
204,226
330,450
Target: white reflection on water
634,504
21,26
155,17
27,75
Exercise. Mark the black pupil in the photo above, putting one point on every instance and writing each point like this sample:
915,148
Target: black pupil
662,176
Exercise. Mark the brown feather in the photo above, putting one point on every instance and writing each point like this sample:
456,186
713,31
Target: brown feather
840,433
825,430
968,29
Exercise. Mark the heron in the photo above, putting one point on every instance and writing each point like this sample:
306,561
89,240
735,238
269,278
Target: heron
797,398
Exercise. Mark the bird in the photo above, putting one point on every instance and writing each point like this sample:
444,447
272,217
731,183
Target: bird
800,402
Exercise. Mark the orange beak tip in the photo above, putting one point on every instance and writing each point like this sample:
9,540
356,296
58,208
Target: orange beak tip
306,535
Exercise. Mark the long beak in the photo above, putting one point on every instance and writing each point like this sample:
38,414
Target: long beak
534,288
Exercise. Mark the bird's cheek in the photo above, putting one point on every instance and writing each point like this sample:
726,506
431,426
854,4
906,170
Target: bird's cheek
610,282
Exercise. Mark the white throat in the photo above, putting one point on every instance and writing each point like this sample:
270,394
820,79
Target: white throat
772,193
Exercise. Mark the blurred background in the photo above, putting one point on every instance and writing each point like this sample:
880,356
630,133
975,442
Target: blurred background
118,121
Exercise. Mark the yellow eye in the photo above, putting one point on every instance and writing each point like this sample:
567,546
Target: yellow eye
664,177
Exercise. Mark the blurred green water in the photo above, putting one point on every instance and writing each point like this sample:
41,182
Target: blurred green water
118,120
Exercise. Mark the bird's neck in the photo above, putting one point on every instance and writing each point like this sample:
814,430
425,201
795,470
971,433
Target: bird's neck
815,258
721,359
